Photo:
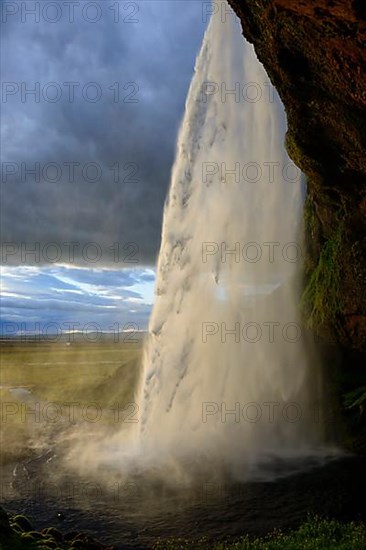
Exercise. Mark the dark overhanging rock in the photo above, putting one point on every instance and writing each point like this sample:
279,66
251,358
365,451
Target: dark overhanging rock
314,52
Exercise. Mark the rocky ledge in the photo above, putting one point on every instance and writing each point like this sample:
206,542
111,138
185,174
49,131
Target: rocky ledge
17,533
315,54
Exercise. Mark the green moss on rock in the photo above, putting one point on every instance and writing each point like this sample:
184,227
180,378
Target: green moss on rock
322,300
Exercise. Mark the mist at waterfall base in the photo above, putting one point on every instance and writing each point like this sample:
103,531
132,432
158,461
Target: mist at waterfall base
208,400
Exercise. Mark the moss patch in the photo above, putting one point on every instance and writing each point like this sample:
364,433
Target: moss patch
321,299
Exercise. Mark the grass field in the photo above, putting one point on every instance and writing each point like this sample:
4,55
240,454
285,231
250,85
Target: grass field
36,374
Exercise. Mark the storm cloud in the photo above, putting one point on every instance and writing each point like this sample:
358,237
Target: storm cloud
92,102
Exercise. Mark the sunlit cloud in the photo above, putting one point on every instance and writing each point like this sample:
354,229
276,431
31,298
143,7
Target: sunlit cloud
63,295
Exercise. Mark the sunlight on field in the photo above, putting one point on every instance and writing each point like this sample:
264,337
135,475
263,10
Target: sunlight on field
38,379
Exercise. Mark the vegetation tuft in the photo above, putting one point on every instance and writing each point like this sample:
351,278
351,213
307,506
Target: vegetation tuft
321,299
314,534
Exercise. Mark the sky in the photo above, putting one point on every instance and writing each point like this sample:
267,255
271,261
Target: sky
92,97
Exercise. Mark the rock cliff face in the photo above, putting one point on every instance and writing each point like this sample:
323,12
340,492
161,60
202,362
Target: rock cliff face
315,54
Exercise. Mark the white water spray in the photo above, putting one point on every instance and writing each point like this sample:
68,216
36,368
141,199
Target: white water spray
195,372
227,378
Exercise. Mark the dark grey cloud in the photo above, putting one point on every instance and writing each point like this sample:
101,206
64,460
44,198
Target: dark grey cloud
131,144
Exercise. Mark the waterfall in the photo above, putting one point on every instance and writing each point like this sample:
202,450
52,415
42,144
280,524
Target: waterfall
226,373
